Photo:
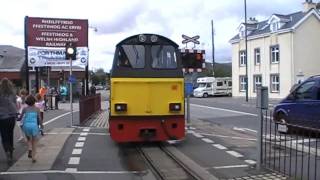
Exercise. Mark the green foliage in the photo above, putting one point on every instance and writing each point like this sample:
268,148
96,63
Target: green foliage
98,77
220,70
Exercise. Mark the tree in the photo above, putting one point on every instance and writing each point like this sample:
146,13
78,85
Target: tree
98,77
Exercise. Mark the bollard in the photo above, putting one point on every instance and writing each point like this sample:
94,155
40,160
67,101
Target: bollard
262,102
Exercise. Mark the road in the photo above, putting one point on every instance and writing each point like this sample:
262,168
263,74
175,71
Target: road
213,143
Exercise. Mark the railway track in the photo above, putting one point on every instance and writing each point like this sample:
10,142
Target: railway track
164,164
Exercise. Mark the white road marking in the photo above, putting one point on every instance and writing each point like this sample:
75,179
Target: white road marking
84,134
71,170
238,129
77,133
197,135
77,172
74,160
207,140
86,129
77,151
82,139
235,154
190,131
227,110
232,166
51,120
231,137
251,130
79,144
250,161
219,146
244,129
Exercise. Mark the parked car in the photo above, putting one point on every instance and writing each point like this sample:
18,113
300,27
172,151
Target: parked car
99,87
301,107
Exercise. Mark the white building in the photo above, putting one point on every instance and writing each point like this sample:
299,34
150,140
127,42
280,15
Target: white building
282,51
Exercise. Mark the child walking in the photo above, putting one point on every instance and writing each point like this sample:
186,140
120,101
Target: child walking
30,118
20,105
41,105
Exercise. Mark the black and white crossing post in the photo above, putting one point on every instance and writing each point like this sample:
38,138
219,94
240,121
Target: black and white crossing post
192,61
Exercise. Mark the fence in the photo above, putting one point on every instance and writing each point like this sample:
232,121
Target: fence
89,105
294,153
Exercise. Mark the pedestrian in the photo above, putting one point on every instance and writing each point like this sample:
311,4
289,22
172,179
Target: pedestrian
8,114
30,119
93,90
55,94
43,92
63,93
40,105
21,97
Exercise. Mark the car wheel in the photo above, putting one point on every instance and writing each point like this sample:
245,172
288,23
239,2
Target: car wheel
281,124
205,95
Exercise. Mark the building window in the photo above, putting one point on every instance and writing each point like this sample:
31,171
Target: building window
243,83
257,56
274,26
257,81
275,83
242,58
275,54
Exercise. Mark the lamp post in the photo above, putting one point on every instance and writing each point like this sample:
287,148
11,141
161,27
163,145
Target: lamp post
246,44
71,55
212,34
95,29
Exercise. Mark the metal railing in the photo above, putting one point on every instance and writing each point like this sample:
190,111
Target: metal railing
293,153
88,105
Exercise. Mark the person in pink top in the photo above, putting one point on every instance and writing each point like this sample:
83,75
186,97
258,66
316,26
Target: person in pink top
40,104
20,105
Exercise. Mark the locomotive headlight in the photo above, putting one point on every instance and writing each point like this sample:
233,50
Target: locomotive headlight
142,38
120,107
154,38
175,106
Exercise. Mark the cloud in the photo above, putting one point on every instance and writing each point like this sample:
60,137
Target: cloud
116,20
122,21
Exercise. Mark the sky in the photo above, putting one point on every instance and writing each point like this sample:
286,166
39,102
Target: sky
111,21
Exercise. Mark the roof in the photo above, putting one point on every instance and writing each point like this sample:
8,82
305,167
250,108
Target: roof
11,58
264,27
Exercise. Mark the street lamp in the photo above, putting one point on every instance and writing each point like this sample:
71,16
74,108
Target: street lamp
71,53
246,44
95,29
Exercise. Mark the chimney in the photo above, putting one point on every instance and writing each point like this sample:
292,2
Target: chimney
252,20
309,5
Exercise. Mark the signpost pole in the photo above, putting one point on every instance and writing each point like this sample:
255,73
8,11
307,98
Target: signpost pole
71,99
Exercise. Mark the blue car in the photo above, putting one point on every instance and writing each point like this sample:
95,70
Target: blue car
301,107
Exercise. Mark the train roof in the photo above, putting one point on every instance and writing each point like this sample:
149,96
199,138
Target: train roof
160,40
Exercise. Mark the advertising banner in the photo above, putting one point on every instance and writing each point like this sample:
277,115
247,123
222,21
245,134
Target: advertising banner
46,39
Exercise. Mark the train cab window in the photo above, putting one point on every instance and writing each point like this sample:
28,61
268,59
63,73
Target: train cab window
132,56
163,57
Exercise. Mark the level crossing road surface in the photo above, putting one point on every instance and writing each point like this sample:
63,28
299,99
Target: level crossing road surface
216,141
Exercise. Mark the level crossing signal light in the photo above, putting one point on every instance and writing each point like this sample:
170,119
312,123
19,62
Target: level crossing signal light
61,75
192,60
71,51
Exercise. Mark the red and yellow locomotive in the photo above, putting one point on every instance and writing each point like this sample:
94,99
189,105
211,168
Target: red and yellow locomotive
147,90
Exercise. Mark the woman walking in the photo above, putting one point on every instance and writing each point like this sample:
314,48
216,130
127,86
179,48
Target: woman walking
30,118
8,114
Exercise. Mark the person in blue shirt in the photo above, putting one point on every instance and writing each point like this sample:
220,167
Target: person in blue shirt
63,93
30,119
